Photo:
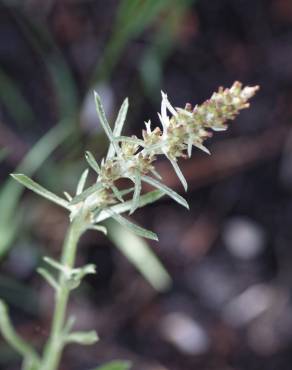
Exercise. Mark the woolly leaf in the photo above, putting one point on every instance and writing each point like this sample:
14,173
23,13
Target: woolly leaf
126,191
119,125
55,264
92,189
156,174
82,182
104,122
32,185
48,277
133,227
203,148
92,162
171,193
137,191
145,199
117,193
68,196
179,173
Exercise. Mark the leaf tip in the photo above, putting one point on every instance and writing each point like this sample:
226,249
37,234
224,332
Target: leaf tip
17,176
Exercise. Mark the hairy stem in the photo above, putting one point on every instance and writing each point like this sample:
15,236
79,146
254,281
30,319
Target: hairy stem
54,347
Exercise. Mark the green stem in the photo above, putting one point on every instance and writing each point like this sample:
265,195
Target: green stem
54,347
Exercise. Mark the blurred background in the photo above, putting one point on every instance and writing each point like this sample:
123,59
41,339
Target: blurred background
215,292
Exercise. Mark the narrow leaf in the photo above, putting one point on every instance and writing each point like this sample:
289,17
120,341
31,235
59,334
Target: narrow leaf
57,265
32,185
137,191
119,125
92,189
171,193
203,148
48,277
115,365
104,122
117,193
145,199
126,191
179,173
68,196
133,227
120,121
85,270
92,162
82,182
156,174
85,338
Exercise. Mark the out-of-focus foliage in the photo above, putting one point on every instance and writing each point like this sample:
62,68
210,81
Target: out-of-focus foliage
115,365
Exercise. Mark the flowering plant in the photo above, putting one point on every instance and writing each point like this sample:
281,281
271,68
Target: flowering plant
134,159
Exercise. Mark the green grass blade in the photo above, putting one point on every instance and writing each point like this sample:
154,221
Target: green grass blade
115,365
11,97
12,337
140,254
10,192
